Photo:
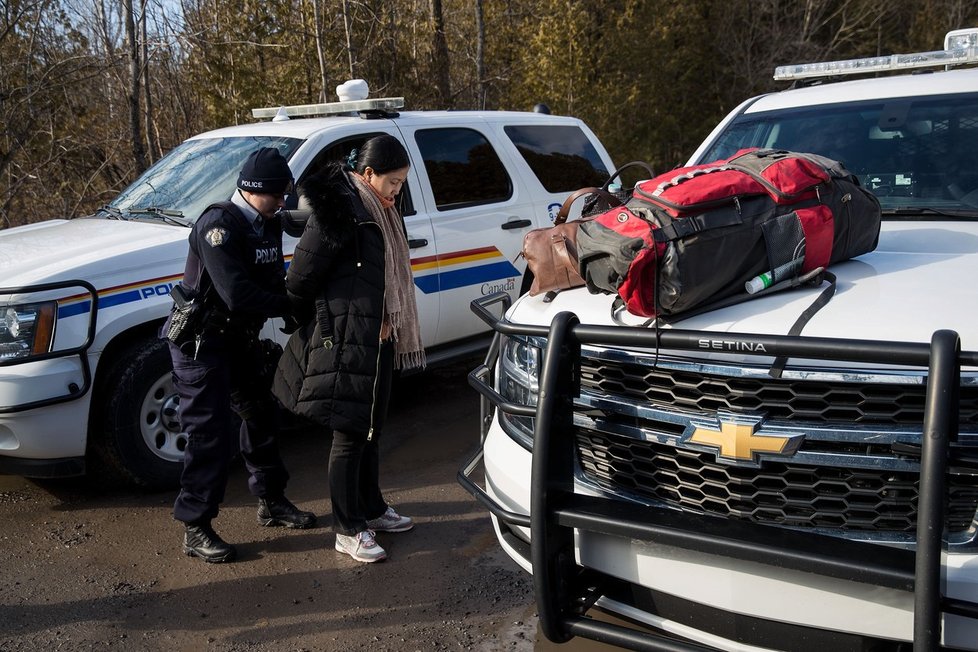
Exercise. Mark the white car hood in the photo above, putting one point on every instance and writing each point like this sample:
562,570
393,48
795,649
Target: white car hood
922,277
88,249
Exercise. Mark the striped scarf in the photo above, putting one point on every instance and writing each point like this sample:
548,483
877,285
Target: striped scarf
400,304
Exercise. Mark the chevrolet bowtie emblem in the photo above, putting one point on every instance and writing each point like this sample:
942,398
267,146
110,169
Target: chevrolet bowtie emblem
737,439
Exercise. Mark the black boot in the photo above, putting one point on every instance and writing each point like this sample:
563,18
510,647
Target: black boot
200,540
279,511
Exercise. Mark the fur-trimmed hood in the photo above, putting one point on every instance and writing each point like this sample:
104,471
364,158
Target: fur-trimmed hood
335,204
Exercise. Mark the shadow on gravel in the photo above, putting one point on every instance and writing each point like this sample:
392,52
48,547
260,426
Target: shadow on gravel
414,409
87,566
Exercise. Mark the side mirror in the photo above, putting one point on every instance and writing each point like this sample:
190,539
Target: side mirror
294,219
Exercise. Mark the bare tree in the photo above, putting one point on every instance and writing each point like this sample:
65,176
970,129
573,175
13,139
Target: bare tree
349,37
439,54
318,34
92,90
45,142
152,139
135,81
480,54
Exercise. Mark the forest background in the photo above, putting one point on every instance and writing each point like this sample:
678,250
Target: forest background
94,91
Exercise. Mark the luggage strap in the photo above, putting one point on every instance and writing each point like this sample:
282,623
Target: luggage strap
685,226
777,368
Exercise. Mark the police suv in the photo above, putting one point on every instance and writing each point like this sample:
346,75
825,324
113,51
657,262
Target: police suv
669,474
82,369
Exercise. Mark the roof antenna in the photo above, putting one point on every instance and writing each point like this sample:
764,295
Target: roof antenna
281,115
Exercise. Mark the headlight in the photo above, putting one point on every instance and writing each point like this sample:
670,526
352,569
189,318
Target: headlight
26,330
518,382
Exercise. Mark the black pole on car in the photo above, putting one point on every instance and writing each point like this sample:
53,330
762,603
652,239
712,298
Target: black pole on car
940,427
552,546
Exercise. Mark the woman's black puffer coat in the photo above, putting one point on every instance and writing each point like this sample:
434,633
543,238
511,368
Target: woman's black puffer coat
336,284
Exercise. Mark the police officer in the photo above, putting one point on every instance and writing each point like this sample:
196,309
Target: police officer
235,272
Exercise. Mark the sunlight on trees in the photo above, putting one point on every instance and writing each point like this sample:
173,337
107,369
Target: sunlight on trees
92,91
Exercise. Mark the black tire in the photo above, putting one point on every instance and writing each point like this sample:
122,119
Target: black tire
135,431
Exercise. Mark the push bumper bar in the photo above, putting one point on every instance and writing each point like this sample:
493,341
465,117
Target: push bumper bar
565,591
81,350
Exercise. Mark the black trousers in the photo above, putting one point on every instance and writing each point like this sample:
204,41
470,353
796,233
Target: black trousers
226,375
354,461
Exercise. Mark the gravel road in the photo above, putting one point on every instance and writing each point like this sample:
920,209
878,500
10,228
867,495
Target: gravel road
85,567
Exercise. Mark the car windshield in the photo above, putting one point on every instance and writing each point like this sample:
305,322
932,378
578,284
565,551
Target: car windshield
915,154
191,177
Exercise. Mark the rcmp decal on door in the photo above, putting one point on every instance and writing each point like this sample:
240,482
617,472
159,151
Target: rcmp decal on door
118,295
485,267
122,294
552,211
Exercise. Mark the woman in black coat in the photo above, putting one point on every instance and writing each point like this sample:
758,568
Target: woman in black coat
351,287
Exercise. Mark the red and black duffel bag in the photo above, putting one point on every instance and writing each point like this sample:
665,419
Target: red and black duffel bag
714,234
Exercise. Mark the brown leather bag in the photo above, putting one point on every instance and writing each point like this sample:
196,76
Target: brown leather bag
551,251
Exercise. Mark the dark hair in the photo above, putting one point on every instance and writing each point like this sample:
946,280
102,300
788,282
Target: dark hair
382,153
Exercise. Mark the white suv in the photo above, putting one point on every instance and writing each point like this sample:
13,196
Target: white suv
632,467
82,370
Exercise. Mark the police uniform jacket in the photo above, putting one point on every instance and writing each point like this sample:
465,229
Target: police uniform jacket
244,266
336,285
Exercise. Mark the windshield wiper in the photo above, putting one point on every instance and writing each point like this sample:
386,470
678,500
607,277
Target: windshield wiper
111,212
908,213
165,214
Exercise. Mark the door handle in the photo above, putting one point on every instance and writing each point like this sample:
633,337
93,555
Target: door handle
417,243
516,224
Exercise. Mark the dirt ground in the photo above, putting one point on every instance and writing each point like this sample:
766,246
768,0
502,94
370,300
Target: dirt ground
87,568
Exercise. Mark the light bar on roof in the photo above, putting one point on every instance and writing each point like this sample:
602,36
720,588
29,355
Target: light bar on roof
963,49
961,38
332,108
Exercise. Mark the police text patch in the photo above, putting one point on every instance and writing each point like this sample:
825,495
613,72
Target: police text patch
269,255
216,236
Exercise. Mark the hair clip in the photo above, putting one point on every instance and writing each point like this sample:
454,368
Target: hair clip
351,160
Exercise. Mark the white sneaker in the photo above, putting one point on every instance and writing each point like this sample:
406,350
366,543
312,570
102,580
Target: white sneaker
390,521
360,546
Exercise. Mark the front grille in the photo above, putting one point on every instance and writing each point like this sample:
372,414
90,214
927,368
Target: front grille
793,495
780,399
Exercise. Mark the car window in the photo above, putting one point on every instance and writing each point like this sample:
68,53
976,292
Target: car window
339,151
196,174
463,168
912,153
561,156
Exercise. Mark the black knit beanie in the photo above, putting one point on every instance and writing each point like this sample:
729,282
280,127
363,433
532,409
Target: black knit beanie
266,172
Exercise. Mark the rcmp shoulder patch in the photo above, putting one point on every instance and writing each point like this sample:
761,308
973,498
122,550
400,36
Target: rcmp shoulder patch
216,236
